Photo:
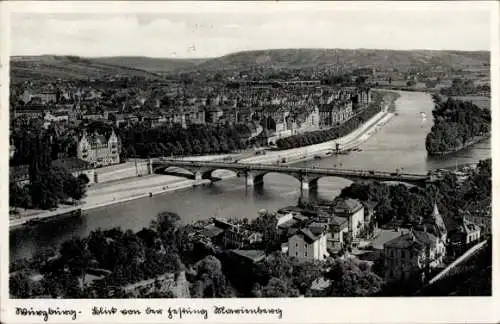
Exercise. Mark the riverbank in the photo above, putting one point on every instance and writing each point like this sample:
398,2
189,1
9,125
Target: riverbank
124,190
469,143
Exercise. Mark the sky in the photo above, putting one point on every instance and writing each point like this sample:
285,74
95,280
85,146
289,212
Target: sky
205,30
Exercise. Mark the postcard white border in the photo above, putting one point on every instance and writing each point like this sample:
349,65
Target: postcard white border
323,310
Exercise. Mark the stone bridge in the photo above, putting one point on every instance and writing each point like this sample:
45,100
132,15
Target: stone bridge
308,177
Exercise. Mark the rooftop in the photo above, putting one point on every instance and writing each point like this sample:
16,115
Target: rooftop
412,238
252,255
348,205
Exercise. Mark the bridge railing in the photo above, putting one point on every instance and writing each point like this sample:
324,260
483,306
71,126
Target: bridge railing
268,167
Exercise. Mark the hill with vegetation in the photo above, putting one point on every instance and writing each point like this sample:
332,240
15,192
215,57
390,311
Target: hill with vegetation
348,58
52,67
73,67
150,64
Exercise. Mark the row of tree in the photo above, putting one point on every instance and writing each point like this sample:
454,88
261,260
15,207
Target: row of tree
177,141
321,136
455,123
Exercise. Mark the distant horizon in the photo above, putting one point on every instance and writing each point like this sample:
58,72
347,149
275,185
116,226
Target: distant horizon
256,50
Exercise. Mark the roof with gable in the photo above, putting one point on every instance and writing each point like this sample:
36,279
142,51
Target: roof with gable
338,221
308,235
348,205
413,238
317,228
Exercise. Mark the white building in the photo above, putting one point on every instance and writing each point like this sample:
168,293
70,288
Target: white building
354,211
308,244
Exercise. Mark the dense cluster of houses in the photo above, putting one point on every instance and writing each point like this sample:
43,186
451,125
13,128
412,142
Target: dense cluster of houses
304,234
290,108
412,253
419,251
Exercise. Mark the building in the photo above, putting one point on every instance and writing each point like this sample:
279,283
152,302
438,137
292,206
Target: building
45,97
236,236
435,225
481,216
416,253
462,237
339,230
412,256
249,256
335,113
98,150
309,243
354,211
369,211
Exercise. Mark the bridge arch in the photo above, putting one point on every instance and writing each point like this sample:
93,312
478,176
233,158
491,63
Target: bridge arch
313,181
180,171
211,173
256,177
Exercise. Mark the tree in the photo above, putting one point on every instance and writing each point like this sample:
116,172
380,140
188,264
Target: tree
210,281
305,273
18,196
350,279
278,288
76,255
83,178
267,224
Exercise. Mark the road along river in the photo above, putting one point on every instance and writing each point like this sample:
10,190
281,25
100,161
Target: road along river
400,144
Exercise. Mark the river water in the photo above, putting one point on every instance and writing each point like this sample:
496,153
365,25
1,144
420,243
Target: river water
400,144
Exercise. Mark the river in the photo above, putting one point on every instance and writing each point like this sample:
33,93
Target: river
400,144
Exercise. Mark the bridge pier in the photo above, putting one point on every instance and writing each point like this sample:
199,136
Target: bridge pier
254,180
198,175
307,184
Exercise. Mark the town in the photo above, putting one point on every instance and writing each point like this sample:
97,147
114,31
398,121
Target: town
259,166
319,241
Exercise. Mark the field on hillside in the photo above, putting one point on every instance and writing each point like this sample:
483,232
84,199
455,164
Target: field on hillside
379,59
50,67
157,65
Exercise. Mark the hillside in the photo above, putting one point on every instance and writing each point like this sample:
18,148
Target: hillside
51,67
156,65
379,59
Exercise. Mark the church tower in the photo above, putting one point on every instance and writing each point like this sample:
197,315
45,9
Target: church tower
438,222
